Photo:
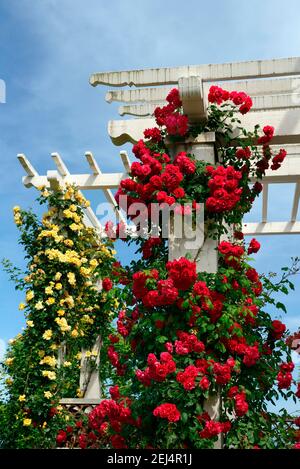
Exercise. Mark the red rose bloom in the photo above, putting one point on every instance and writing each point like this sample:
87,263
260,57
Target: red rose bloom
107,284
254,246
278,329
167,411
61,437
182,272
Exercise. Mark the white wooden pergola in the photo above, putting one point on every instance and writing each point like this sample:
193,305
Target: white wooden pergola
274,86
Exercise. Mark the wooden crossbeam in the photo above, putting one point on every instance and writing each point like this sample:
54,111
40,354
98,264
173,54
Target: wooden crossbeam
260,103
212,72
255,88
30,170
272,228
92,162
285,121
61,167
125,161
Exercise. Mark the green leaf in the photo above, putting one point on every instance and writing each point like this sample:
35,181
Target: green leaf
280,305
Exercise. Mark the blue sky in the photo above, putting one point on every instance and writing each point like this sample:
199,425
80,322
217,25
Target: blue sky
49,48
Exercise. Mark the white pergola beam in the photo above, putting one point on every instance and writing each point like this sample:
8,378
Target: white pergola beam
285,121
61,167
260,103
30,170
211,72
92,163
271,228
125,160
82,181
255,88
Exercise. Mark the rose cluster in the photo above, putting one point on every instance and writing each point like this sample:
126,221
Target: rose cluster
218,95
224,191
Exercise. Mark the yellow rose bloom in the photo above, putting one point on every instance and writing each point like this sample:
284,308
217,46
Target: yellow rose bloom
60,312
70,301
48,394
78,356
48,360
94,262
30,323
49,374
73,208
67,213
48,290
50,301
74,333
58,286
67,364
47,334
75,227
68,242
22,398
27,422
21,306
58,276
71,278
9,381
39,305
9,361
85,271
29,295
88,354
62,322
53,347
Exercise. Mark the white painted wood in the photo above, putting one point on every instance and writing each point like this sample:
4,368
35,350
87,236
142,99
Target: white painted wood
61,167
272,228
80,401
125,160
211,72
260,103
82,181
92,162
30,170
254,88
89,381
286,124
191,93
